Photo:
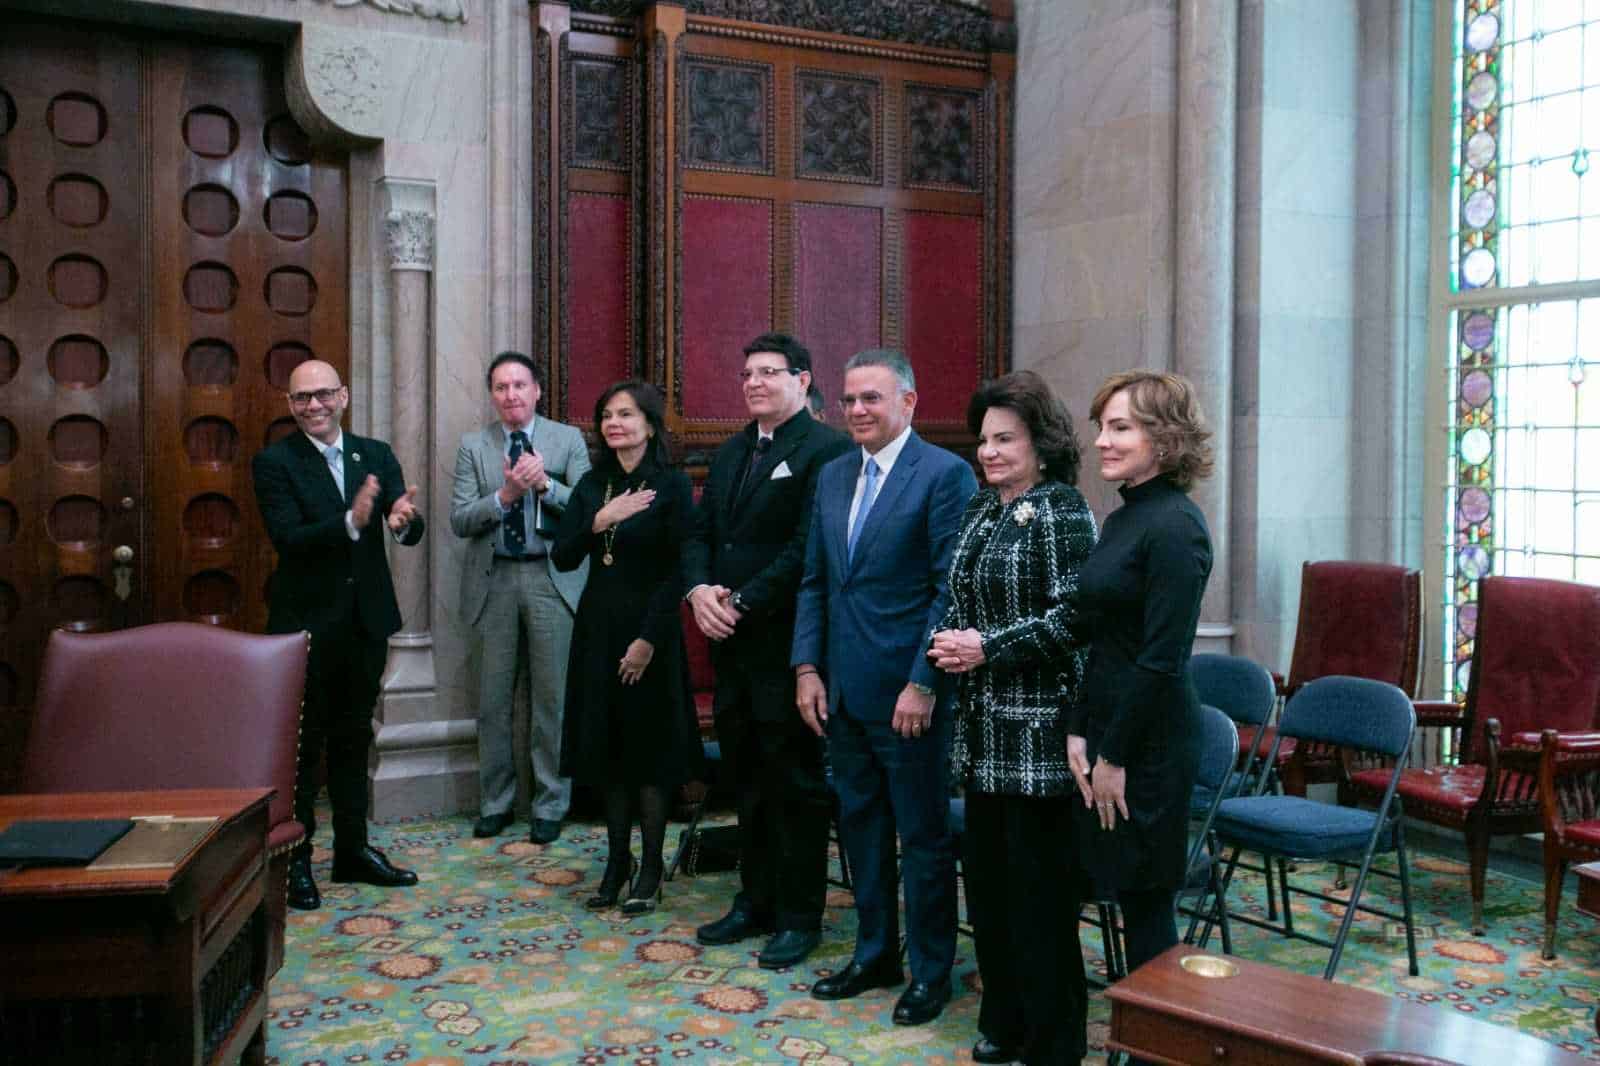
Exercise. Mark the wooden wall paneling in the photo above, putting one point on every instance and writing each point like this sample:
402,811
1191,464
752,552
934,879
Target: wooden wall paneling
661,26
250,279
70,290
1001,100
598,273
849,146
550,24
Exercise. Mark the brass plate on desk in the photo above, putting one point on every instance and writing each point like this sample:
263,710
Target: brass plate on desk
155,842
1205,966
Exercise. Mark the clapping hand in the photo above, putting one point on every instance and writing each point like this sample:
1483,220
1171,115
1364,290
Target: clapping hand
403,510
366,497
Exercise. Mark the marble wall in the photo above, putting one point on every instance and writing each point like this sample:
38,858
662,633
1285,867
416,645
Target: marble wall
1328,255
1096,142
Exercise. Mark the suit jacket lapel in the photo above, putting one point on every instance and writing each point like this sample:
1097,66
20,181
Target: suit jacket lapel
355,467
779,452
314,465
888,493
493,455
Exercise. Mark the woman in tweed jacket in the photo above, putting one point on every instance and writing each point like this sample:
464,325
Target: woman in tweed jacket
1009,638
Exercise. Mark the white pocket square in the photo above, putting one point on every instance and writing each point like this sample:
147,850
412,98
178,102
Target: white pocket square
781,470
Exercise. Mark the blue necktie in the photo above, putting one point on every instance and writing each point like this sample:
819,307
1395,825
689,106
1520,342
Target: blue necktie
335,467
869,492
516,528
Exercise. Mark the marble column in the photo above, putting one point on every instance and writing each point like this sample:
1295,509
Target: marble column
1207,99
423,761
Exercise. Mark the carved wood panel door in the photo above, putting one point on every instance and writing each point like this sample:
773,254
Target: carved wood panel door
170,247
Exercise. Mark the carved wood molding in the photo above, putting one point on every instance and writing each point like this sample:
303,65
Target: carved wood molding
958,25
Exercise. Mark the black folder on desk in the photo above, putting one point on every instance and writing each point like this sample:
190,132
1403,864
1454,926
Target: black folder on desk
59,843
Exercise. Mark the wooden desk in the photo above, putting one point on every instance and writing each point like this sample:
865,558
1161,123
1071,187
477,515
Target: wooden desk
155,966
1268,1015
1589,888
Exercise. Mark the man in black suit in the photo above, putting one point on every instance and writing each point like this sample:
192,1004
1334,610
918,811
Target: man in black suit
326,497
742,566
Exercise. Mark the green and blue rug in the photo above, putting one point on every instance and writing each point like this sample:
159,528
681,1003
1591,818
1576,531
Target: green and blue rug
492,961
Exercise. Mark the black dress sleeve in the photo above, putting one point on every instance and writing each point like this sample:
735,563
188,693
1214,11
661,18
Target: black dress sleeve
575,535
662,621
1175,556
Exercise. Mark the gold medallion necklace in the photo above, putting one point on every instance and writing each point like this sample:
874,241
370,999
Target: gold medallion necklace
609,537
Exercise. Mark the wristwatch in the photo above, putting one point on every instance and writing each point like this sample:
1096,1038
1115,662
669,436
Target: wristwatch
926,690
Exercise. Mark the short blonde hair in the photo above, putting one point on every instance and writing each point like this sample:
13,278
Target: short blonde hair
1166,406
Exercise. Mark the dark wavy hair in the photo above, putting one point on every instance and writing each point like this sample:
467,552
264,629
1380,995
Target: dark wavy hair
1049,424
654,409
1167,406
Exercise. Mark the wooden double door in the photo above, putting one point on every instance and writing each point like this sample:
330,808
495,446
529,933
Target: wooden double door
171,246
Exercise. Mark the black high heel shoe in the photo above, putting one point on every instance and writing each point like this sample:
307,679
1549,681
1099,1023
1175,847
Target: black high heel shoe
611,884
643,902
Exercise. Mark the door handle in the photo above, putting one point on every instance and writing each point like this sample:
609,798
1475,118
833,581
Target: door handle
122,571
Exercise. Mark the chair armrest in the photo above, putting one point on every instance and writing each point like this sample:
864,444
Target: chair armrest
1438,713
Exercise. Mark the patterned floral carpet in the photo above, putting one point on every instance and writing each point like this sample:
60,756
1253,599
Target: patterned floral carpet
492,961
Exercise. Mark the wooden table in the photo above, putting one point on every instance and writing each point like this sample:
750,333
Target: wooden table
1589,888
161,966
1166,1014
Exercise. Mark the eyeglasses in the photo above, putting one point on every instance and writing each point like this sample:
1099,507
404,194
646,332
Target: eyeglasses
867,399
325,397
765,373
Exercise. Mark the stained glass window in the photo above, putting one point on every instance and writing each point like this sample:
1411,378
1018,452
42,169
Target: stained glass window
1523,488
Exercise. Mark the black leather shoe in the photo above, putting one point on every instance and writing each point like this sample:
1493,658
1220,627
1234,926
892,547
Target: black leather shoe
491,825
303,894
544,831
922,1002
738,924
369,866
853,980
787,948
990,1053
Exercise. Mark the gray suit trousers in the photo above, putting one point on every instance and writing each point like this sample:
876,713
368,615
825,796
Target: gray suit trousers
523,611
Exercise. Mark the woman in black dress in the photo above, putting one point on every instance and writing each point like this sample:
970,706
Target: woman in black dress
1135,730
1010,640
629,728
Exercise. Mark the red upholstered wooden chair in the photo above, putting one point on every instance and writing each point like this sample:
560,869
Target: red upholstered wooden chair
1356,620
176,705
1535,666
1569,807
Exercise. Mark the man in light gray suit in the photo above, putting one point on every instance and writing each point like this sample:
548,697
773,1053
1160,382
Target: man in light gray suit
513,479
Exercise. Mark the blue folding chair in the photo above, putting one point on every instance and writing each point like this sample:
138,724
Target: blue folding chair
1360,716
1245,692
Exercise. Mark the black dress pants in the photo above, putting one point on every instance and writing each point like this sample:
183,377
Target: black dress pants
1017,865
775,764
342,679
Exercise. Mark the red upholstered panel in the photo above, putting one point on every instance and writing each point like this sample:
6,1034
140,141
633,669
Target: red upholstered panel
702,678
1286,750
942,309
597,299
1585,833
838,269
1536,664
727,298
1359,620
1441,789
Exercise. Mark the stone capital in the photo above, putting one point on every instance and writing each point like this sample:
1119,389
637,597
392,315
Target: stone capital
410,237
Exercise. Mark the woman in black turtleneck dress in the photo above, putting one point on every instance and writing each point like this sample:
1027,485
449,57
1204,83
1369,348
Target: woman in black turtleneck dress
1134,733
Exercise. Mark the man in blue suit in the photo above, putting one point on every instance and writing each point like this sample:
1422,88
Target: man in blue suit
874,590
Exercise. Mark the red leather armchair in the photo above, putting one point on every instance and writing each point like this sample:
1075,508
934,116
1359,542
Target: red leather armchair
1535,666
1569,807
1356,620
176,705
